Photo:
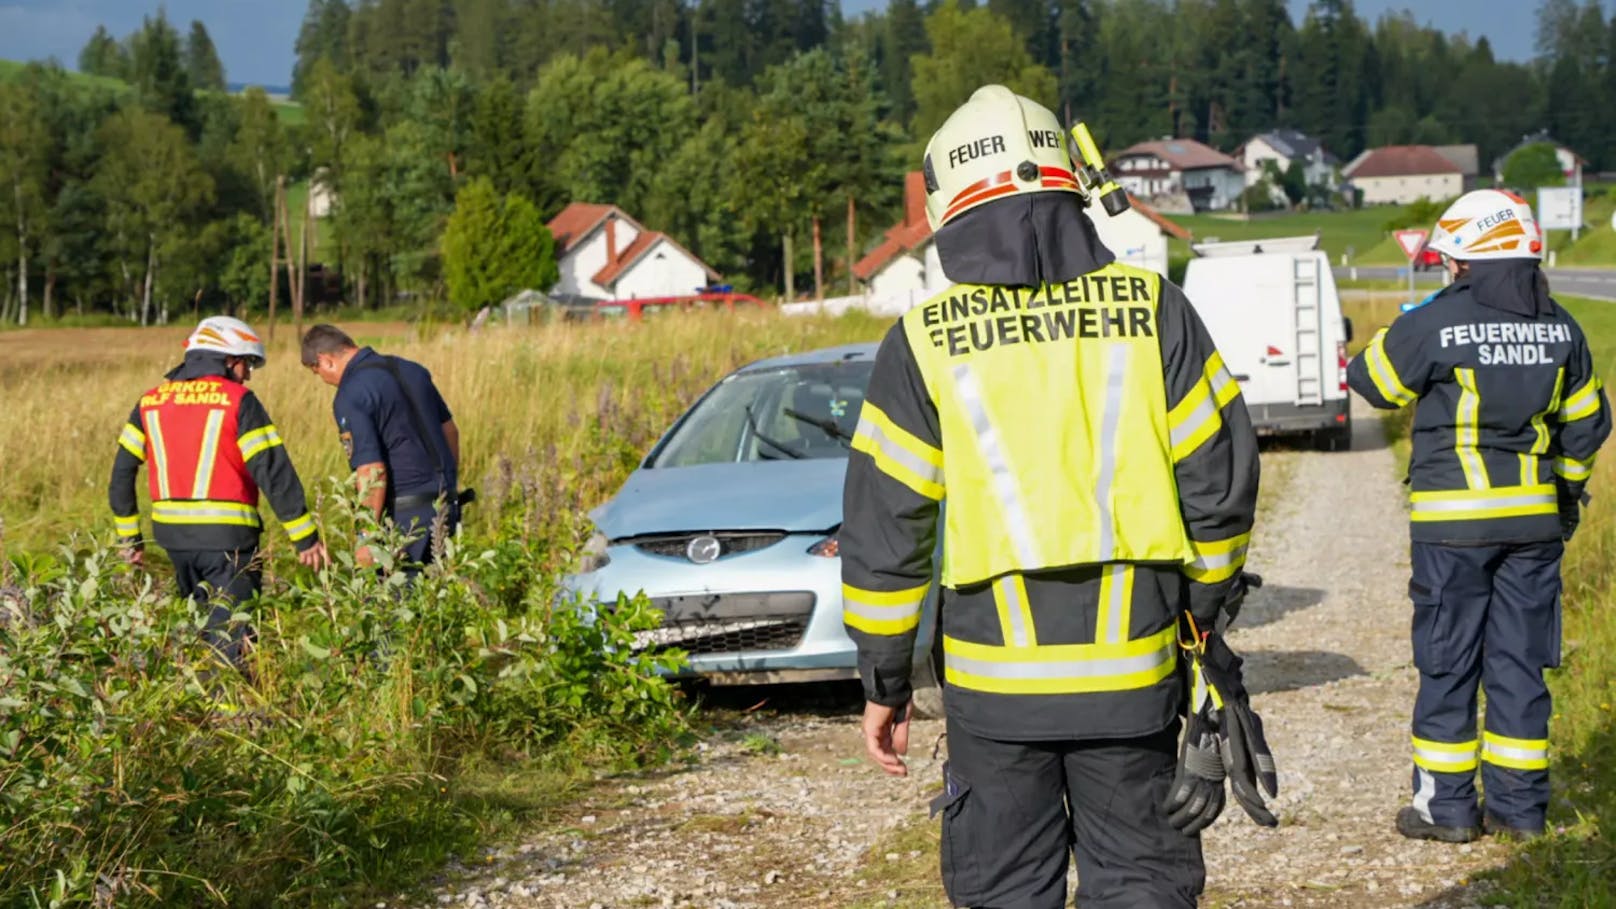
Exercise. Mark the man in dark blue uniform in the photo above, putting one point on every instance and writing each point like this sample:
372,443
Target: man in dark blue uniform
398,434
1509,417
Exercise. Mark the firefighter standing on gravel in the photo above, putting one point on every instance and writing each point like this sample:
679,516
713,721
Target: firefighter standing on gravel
1101,475
1509,417
211,447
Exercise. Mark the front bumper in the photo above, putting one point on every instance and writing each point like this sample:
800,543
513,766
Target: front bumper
773,614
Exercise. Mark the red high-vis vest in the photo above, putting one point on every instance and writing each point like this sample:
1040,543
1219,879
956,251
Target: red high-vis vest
195,464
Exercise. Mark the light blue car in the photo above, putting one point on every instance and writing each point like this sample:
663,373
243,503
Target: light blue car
729,525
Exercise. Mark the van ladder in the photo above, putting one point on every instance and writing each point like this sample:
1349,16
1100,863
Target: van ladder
1309,339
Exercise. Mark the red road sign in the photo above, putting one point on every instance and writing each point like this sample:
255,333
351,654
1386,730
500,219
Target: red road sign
1411,241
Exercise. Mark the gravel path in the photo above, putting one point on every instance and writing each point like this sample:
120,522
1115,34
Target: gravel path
781,810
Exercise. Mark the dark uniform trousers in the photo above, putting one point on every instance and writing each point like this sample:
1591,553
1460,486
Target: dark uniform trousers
416,517
1485,616
224,579
1013,810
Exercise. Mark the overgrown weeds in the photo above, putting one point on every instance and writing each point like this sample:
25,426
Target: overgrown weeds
381,725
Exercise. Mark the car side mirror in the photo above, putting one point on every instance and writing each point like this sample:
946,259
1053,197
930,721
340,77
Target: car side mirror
1346,329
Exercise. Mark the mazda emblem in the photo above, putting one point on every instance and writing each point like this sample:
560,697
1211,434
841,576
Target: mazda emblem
704,549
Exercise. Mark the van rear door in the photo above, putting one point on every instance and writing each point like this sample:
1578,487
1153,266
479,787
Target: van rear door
1249,306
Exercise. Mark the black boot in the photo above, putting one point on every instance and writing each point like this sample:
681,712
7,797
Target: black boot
1416,827
1498,828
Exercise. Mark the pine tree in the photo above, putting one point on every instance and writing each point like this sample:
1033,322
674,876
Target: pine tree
104,55
202,62
904,36
323,36
158,72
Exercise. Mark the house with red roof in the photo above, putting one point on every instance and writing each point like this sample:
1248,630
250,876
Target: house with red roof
606,254
1401,174
905,261
1169,170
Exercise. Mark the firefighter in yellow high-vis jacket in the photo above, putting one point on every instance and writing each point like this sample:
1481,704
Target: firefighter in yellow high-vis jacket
1101,477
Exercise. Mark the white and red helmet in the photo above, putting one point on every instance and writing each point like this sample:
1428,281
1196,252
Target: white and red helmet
996,144
231,337
1488,224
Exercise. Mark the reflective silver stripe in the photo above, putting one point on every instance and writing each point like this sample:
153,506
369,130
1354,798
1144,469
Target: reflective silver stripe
208,456
1011,592
1221,560
1004,479
881,613
923,469
175,510
1119,603
1519,754
1116,375
1437,760
1059,669
1204,411
159,453
1483,503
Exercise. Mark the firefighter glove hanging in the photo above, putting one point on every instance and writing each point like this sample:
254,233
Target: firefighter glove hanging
1196,797
1220,717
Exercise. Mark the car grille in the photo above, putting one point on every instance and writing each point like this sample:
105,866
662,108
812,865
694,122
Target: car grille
674,546
730,623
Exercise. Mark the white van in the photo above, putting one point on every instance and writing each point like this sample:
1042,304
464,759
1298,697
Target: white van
1272,309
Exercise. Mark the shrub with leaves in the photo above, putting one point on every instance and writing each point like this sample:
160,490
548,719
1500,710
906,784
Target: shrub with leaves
137,769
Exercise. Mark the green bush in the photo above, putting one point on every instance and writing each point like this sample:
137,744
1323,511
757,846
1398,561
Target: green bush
135,770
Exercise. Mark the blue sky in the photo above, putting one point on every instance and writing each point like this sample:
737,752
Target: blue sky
255,37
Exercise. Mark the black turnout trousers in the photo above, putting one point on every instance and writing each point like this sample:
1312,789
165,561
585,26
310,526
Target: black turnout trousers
1012,811
225,579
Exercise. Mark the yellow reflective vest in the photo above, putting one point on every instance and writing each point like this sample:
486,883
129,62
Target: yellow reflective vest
1047,444
1100,476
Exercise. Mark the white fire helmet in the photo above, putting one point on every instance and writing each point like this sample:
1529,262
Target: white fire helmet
996,144
231,337
1488,224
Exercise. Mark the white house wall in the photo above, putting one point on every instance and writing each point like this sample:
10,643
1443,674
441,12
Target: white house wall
587,258
935,279
1133,238
1258,151
663,271
1404,190
900,276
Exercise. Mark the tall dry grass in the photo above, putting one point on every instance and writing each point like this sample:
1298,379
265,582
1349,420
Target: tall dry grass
532,403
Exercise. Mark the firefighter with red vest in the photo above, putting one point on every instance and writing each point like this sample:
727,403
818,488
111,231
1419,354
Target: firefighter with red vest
210,447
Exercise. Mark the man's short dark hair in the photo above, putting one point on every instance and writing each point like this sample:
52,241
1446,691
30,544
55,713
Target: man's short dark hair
324,339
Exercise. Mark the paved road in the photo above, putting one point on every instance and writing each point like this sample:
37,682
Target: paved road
1581,282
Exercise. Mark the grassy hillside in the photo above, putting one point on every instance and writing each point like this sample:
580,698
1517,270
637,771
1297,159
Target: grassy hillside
11,69
1340,231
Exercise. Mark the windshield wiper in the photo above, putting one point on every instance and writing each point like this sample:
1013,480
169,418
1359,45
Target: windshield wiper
826,426
751,421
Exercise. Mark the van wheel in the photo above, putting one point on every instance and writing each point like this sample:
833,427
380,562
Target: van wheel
926,681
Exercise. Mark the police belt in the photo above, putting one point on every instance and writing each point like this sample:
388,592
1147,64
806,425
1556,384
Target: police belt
429,499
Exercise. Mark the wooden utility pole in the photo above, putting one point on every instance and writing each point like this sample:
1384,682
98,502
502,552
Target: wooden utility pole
791,281
852,246
275,250
293,284
303,266
819,263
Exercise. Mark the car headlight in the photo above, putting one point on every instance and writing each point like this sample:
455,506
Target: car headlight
830,547
593,557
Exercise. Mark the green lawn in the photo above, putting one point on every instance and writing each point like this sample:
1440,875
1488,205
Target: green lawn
324,242
1360,230
11,69
291,113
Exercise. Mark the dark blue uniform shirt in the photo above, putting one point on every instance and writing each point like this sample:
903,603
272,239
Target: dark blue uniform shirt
373,417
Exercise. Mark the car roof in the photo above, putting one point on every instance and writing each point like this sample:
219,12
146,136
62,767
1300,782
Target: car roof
823,355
